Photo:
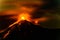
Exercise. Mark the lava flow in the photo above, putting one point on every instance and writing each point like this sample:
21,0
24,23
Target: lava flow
23,16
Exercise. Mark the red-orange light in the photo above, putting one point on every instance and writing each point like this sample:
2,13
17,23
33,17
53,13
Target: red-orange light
24,16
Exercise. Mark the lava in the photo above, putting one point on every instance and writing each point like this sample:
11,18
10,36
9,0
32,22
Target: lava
6,34
24,16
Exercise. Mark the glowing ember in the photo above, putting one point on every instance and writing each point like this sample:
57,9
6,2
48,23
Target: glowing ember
36,22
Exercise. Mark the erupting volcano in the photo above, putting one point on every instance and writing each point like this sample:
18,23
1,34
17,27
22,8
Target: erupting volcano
28,19
23,23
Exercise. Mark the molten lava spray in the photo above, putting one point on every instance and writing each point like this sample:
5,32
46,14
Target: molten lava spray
24,16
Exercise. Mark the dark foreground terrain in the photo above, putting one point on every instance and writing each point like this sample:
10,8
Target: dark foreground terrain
29,31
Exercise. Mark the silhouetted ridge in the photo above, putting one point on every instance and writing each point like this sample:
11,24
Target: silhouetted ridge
28,31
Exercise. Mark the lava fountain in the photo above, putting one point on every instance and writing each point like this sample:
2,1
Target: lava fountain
24,16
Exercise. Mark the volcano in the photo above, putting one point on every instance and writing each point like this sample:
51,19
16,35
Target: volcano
28,31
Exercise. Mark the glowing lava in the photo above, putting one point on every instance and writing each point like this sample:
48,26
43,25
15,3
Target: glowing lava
24,16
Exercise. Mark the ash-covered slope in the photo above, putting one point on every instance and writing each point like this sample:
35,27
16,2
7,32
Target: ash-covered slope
28,31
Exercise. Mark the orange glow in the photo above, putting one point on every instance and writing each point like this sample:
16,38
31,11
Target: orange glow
24,16
36,22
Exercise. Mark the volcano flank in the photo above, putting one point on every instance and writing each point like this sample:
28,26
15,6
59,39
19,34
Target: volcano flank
28,31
